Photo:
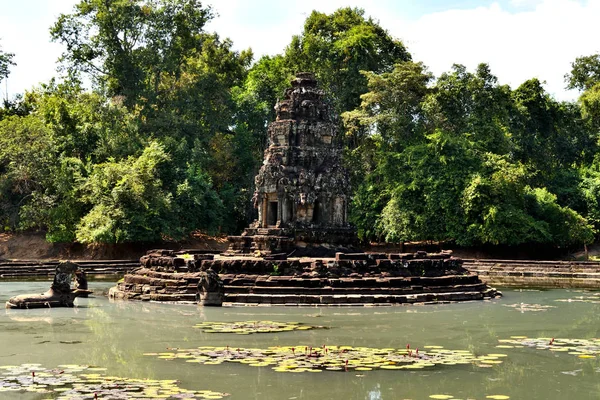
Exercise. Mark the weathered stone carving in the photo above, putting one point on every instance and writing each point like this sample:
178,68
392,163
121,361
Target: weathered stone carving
349,278
81,282
301,188
166,275
210,289
60,293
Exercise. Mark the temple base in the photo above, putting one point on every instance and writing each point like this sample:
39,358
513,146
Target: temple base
293,241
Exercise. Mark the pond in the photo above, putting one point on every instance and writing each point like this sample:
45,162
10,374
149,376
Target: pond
115,335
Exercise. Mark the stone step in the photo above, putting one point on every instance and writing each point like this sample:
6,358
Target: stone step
550,263
289,281
295,299
566,275
353,290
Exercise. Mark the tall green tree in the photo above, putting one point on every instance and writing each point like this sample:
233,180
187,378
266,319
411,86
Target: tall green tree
448,164
127,200
389,120
129,46
180,86
6,60
27,156
585,72
472,104
337,47
550,138
585,76
392,108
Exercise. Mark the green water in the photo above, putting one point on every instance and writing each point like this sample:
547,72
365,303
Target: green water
115,334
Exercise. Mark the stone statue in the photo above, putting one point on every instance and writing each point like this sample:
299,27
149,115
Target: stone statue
210,289
81,282
59,294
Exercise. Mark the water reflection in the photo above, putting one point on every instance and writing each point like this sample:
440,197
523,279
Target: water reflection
116,334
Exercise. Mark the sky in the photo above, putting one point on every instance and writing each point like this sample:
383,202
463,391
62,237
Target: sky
519,39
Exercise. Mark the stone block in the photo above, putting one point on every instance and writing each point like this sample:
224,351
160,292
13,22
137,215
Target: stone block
352,256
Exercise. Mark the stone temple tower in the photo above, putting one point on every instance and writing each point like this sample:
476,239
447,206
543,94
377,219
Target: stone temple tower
302,190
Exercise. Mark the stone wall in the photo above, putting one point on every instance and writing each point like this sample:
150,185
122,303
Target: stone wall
536,273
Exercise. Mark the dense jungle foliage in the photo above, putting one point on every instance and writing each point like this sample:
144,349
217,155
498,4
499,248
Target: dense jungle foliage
170,135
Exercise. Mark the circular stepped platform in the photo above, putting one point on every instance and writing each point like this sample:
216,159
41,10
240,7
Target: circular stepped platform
349,279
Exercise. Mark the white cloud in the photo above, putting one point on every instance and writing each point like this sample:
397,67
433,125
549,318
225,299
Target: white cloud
525,3
540,39
24,30
271,31
518,46
534,38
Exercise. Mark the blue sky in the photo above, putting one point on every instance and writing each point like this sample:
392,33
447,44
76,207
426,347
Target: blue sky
520,39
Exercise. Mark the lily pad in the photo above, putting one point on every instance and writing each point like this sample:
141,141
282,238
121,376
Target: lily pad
332,358
67,382
524,307
249,327
582,348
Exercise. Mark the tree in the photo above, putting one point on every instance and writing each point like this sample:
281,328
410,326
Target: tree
426,181
337,47
585,76
469,161
128,46
6,60
86,125
472,104
180,86
392,108
256,97
501,208
390,119
27,156
550,137
199,119
127,200
585,72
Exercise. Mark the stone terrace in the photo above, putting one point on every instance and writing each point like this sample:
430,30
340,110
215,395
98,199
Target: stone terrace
348,279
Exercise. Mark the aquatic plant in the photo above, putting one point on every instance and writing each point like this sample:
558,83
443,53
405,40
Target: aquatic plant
331,358
583,348
249,327
524,307
450,397
85,382
590,298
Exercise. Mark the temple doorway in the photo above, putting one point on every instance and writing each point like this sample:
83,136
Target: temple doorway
317,212
272,213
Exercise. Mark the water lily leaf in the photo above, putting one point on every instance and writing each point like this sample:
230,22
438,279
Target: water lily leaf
69,383
582,348
249,327
331,358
